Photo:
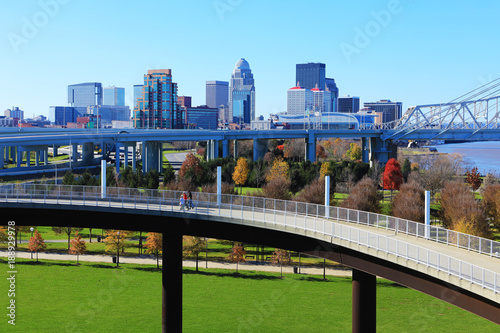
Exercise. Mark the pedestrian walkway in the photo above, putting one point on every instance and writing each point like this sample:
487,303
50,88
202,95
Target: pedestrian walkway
148,260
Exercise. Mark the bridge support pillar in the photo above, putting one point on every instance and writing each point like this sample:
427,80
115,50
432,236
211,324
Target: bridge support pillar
19,157
125,156
134,158
54,151
2,156
88,152
172,282
151,156
366,150
13,154
74,152
225,148
259,148
215,149
311,148
235,149
37,158
46,156
364,294
28,158
117,157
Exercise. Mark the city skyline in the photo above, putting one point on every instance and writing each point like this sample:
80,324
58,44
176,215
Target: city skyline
374,51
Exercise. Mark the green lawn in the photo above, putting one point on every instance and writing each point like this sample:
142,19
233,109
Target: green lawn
57,296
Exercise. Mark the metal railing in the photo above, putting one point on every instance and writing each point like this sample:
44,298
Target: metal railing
288,214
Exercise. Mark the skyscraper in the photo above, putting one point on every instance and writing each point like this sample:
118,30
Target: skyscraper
217,93
85,94
113,96
137,93
313,75
157,108
299,100
242,93
348,104
387,111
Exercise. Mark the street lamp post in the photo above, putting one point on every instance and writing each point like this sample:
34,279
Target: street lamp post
32,237
118,249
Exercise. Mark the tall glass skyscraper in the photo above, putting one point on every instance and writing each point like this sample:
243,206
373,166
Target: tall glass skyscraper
313,75
217,93
242,94
157,107
137,93
85,94
113,96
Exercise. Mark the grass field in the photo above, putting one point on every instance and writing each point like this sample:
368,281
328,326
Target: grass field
57,296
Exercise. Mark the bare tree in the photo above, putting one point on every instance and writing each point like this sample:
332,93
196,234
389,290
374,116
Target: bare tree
364,196
436,171
409,203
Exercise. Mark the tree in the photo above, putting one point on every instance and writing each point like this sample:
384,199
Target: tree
354,153
66,230
294,149
115,241
279,170
326,169
87,179
406,169
320,152
364,196
77,246
409,203
36,244
191,169
237,255
392,177
152,179
193,246
315,193
473,178
3,235
488,180
17,230
154,244
69,178
491,202
281,257
460,211
168,173
241,171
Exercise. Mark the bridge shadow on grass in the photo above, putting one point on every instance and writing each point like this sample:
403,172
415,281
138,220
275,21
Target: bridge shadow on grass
44,263
232,274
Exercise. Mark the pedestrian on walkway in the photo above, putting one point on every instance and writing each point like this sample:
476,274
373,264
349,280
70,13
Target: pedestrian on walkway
182,203
190,202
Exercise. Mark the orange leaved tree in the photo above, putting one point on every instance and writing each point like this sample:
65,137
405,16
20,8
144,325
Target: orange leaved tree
154,244
281,257
36,244
193,246
238,255
241,171
77,246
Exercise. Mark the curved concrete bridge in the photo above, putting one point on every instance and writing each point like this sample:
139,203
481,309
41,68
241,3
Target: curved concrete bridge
460,269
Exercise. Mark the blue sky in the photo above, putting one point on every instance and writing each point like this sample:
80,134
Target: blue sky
412,51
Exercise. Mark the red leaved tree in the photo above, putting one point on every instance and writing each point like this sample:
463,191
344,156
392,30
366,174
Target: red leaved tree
191,168
36,244
77,246
238,255
473,178
392,177
281,257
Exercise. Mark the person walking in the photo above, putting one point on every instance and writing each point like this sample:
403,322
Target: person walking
182,203
190,202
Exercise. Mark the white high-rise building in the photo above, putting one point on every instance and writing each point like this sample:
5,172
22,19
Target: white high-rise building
299,100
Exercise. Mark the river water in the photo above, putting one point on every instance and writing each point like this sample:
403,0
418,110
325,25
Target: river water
484,155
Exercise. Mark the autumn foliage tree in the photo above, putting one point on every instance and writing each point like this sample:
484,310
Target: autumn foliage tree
491,201
78,246
154,245
193,246
115,240
392,177
237,255
281,257
354,153
409,203
66,230
294,149
364,196
473,178
241,171
191,168
460,211
36,244
278,180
